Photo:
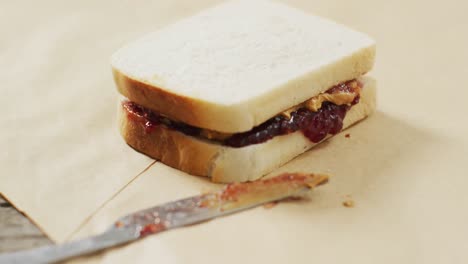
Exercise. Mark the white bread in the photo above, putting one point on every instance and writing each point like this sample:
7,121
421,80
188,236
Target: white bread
236,65
227,164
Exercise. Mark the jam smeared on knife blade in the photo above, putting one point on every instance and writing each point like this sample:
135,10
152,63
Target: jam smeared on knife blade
234,190
152,229
315,125
233,197
282,185
286,185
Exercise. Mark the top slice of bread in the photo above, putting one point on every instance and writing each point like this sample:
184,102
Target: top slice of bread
236,65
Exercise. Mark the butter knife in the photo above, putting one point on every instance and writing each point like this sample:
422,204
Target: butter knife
232,198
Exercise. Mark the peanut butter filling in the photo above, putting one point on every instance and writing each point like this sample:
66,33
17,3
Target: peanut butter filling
335,95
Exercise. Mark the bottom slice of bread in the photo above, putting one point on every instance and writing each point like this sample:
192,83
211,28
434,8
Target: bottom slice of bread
226,164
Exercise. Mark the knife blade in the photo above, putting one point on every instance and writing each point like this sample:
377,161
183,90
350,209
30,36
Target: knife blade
232,198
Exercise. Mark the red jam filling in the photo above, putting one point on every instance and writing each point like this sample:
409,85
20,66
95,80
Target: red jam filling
314,125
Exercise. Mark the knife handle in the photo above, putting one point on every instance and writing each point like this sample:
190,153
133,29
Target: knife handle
55,253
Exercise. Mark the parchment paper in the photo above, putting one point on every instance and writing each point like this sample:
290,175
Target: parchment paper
405,167
62,156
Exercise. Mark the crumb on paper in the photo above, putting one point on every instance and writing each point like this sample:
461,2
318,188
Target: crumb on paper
348,203
347,135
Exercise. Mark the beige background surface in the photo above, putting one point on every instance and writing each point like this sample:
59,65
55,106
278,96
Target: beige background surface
405,167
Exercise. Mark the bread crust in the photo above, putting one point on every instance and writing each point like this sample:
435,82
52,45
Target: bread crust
169,146
223,163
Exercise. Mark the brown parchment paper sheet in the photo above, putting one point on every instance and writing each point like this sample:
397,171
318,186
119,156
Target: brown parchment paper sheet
405,167
61,155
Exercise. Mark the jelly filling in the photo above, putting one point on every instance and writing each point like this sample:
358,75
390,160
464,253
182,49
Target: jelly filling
314,125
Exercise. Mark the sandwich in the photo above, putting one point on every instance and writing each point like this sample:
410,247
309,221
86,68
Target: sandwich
242,88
